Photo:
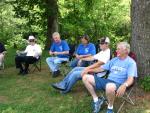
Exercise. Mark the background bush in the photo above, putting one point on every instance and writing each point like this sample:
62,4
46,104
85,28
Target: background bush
145,83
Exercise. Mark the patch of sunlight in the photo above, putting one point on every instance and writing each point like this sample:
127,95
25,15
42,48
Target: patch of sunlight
9,110
147,111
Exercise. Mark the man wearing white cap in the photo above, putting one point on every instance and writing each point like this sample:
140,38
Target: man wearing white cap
32,51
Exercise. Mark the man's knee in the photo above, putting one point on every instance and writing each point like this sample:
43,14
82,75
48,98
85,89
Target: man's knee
48,59
74,69
88,78
110,88
84,78
57,61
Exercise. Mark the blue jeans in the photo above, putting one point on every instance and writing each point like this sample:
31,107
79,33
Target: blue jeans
72,77
54,62
74,63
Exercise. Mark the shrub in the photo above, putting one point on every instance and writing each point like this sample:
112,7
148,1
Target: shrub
17,42
145,83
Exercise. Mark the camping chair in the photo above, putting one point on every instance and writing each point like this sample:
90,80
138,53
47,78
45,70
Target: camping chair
127,96
65,63
130,90
36,65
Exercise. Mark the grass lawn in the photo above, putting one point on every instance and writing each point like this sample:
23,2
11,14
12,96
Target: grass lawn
33,94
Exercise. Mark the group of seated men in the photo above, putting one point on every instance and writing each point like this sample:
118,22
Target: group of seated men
122,69
60,51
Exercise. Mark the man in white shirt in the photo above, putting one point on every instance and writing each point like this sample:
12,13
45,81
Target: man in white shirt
32,51
75,74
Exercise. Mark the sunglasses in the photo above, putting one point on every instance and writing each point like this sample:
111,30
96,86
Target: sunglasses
31,40
101,43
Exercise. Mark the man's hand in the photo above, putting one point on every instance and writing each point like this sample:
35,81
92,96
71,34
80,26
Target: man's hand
51,53
79,62
55,53
78,56
85,71
121,90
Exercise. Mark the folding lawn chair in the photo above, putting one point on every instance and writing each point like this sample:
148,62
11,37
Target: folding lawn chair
127,96
36,65
65,64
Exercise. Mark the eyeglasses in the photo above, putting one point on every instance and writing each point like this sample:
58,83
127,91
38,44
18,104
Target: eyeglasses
101,43
31,40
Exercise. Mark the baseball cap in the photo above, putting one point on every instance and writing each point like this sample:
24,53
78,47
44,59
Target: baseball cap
31,38
104,40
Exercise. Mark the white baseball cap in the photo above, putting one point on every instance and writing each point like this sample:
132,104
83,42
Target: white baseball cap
31,38
105,40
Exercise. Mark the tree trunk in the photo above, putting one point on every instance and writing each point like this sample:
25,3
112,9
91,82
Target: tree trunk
140,42
52,20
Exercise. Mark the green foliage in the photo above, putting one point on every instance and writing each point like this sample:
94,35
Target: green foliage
145,83
9,110
6,23
32,93
96,18
17,42
9,57
103,18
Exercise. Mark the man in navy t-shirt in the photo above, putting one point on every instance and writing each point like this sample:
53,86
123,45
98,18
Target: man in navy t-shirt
60,50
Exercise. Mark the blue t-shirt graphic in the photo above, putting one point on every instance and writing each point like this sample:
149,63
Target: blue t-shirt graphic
120,70
60,47
85,50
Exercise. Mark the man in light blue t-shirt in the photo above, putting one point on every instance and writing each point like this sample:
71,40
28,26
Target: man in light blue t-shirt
122,70
60,50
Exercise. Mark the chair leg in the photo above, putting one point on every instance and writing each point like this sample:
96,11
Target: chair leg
3,65
126,98
121,107
36,67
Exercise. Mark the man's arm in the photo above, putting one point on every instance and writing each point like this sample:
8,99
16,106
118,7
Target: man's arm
82,56
93,68
89,58
61,53
51,53
121,90
95,65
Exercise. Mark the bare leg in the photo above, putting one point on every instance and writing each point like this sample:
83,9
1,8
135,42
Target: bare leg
89,83
110,93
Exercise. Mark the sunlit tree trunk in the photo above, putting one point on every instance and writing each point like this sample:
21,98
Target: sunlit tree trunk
140,16
52,19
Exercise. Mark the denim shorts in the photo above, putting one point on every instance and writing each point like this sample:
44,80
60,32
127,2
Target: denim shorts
100,83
